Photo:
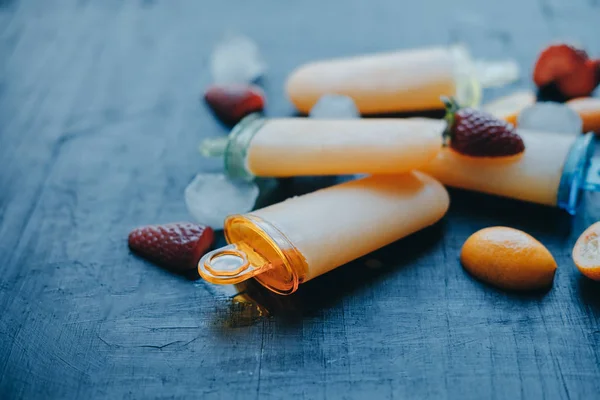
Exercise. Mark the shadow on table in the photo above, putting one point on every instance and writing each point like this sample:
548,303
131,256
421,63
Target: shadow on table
435,114
590,293
490,210
515,296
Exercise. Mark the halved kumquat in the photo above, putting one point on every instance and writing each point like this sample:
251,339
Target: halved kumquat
586,253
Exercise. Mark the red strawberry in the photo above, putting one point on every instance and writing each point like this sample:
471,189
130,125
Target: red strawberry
177,246
557,61
582,81
233,102
478,134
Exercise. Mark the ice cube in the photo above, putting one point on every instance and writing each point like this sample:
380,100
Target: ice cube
550,117
236,59
334,106
496,73
211,197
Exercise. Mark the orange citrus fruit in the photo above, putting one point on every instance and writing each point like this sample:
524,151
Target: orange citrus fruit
508,258
586,253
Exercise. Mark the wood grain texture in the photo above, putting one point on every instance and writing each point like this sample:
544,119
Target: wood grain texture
99,123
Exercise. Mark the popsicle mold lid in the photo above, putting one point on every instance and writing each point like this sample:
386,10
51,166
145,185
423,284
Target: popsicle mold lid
257,250
234,147
581,172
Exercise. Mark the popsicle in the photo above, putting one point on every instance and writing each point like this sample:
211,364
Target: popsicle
294,241
553,170
406,80
284,147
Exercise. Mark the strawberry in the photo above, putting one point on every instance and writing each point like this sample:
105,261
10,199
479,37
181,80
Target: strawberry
233,102
177,246
557,61
582,81
479,134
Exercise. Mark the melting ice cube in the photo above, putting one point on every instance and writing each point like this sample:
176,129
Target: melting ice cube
550,117
211,197
496,73
334,106
236,59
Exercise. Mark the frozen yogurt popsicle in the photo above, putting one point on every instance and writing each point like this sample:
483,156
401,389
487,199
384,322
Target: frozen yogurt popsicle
294,241
553,170
283,147
406,80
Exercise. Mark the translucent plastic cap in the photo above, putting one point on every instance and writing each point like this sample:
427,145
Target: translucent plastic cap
257,250
234,148
580,172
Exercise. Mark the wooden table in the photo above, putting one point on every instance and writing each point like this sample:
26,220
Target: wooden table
100,120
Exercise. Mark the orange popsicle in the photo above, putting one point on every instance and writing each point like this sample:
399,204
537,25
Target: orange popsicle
294,241
534,177
406,80
300,146
284,147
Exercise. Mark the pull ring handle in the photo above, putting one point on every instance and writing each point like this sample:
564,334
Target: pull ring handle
230,264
